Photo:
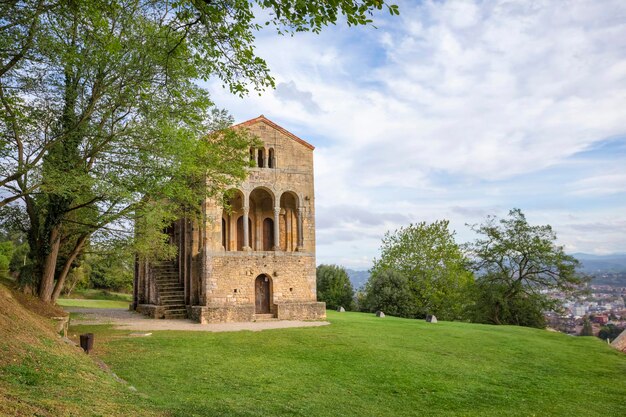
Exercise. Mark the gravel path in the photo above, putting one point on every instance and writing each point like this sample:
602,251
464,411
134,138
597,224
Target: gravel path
131,320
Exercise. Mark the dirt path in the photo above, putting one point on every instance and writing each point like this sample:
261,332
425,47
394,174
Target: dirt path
130,320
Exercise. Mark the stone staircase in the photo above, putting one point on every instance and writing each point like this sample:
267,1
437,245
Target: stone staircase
264,317
171,292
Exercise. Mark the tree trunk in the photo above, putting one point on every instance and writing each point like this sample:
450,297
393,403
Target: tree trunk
47,277
66,268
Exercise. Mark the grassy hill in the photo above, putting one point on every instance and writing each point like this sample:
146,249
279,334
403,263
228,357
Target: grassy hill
40,375
361,365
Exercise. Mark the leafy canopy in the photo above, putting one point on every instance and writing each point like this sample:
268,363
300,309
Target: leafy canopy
427,256
102,121
334,287
518,264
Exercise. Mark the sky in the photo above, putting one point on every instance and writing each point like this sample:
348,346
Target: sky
457,110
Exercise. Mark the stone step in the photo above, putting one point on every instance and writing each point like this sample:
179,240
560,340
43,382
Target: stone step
174,308
171,287
265,317
172,291
177,316
170,303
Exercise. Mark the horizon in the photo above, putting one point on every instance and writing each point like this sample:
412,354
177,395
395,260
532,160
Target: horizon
457,110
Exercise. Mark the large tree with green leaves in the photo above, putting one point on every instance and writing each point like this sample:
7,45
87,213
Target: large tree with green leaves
427,256
518,266
334,287
102,122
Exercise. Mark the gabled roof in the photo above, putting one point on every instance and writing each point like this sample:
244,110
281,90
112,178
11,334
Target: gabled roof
273,125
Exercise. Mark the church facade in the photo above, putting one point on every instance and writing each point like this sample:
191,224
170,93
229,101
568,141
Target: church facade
252,258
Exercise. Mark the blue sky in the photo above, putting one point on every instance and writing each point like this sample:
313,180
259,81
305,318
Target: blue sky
457,110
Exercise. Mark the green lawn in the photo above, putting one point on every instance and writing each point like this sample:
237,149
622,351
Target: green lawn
361,365
94,298
84,303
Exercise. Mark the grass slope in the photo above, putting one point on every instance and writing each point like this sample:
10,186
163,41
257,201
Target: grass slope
361,365
92,298
85,303
40,375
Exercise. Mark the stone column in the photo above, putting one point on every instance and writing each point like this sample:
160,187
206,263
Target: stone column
246,232
276,228
300,234
258,230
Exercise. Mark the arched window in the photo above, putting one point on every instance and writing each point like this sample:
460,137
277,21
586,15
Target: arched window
261,158
289,226
252,154
271,160
233,208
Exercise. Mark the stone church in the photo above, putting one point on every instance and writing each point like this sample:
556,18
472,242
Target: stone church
252,258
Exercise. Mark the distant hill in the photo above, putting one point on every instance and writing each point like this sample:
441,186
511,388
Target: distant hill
597,266
600,264
358,278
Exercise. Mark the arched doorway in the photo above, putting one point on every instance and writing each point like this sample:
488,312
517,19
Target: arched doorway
262,294
261,208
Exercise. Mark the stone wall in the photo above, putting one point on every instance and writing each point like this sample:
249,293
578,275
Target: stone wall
301,311
221,314
231,277
151,310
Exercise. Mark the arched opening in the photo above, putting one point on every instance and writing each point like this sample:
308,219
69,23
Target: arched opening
233,209
261,208
262,294
289,221
261,158
271,160
251,154
268,234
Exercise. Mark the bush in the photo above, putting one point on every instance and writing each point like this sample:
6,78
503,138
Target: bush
334,287
390,291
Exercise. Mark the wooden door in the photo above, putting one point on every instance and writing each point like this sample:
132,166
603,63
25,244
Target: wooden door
262,294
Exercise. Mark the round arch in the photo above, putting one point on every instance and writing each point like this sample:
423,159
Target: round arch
262,203
233,202
289,221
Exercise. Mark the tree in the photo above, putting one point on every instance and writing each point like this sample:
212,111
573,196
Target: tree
518,265
390,291
587,329
334,287
609,332
102,123
433,265
6,253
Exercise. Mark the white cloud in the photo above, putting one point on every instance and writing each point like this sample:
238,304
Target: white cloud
455,108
